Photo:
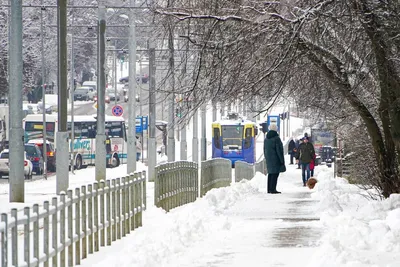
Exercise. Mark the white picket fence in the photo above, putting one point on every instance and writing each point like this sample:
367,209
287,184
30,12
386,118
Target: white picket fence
78,224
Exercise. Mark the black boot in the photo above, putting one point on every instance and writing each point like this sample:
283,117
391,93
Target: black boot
273,185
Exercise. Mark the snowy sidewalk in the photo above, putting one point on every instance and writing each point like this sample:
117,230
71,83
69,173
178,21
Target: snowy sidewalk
240,225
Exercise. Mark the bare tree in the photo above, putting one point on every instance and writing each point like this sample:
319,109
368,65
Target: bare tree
338,57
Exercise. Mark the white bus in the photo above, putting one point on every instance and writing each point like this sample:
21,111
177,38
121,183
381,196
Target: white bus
84,137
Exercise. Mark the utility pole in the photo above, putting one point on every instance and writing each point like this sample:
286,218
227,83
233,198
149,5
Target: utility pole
171,121
43,94
131,166
71,99
214,110
115,65
16,176
151,150
100,161
195,140
203,132
62,180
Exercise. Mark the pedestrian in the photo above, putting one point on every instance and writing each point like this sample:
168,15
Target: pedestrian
305,154
298,142
291,150
273,153
312,165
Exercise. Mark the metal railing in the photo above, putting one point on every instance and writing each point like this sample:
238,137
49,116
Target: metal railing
215,173
261,166
175,184
243,170
73,225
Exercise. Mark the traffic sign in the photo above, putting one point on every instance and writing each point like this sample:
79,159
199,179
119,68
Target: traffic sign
117,110
95,105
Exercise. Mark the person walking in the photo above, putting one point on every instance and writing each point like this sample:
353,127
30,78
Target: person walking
291,150
305,154
273,153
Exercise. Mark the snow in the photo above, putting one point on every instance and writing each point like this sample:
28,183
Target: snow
334,224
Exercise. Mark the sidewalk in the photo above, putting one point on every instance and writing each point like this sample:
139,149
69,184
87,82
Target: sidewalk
235,226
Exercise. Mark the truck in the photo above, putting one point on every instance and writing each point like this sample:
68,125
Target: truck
323,141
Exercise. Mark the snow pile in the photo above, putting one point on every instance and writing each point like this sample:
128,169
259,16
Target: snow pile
168,234
361,231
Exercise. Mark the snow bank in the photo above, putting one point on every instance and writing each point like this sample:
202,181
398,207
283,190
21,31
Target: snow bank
361,231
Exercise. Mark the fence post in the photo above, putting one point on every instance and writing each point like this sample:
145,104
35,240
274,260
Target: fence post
4,240
108,193
144,190
96,215
70,229
118,192
127,206
14,238
62,229
133,201
77,226
84,227
102,209
46,230
54,228
114,216
35,233
122,216
90,218
27,236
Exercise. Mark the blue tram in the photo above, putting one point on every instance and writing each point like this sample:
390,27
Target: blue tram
234,140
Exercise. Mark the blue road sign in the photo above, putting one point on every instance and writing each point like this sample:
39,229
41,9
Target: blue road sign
274,119
117,110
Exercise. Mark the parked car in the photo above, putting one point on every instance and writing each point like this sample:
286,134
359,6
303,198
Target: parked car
5,165
126,98
92,84
35,156
92,93
145,78
110,96
50,152
81,93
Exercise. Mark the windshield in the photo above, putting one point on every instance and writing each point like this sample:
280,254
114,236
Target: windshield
81,91
31,150
232,136
4,155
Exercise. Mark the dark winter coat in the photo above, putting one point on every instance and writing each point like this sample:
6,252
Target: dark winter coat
292,145
273,152
305,153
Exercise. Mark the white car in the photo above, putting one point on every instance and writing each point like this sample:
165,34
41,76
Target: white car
5,166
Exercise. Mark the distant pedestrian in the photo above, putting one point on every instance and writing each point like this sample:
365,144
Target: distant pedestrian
273,153
291,150
305,154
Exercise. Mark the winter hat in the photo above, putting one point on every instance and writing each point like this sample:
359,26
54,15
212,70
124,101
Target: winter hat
273,127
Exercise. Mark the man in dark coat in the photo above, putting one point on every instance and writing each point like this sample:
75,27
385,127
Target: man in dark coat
305,154
291,150
273,153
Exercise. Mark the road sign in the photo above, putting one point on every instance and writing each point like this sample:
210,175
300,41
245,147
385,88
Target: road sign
117,110
95,105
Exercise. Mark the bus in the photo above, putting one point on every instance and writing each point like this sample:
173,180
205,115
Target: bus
234,140
84,144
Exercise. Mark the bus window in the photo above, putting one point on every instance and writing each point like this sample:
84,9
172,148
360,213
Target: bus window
247,140
217,138
114,129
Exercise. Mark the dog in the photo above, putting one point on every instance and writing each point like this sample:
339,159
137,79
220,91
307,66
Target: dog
311,182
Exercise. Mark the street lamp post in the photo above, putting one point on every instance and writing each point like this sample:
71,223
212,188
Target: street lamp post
43,96
131,166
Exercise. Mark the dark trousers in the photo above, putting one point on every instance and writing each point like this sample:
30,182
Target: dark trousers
305,172
272,181
291,157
